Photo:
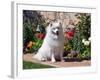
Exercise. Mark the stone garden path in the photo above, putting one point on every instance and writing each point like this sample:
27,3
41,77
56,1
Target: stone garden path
28,57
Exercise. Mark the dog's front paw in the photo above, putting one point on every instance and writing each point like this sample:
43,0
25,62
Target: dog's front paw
53,60
42,59
62,60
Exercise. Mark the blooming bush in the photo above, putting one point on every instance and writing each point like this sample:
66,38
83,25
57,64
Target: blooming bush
80,39
33,24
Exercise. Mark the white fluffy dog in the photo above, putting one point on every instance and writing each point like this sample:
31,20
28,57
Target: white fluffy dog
52,47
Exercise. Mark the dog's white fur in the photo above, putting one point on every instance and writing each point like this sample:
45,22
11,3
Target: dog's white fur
52,47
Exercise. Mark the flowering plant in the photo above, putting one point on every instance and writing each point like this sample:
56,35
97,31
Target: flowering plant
80,40
41,36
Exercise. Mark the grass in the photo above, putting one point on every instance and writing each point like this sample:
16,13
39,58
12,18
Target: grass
31,65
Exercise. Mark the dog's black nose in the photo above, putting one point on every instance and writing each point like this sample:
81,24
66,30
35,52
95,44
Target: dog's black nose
57,32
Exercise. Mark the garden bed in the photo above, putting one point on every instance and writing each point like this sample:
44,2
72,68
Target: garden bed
49,64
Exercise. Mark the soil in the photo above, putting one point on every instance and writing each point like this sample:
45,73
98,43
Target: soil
67,63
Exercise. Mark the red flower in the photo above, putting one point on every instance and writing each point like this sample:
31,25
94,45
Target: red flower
41,36
70,34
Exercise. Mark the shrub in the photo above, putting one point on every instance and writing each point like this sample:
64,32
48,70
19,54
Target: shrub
83,31
31,20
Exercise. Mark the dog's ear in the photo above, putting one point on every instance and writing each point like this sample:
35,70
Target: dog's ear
50,24
60,23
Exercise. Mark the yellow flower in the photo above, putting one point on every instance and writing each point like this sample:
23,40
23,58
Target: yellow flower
30,44
64,47
33,43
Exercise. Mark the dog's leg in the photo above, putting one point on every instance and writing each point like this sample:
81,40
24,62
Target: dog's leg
61,56
53,58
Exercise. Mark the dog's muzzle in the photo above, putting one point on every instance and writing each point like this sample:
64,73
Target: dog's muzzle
55,32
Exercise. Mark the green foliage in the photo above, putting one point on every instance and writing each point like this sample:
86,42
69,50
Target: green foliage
37,45
31,19
84,26
28,34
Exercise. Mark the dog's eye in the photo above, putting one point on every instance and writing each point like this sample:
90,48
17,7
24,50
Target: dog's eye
60,24
57,27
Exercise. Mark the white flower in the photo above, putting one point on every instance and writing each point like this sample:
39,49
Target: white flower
86,43
83,40
89,38
38,28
